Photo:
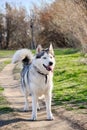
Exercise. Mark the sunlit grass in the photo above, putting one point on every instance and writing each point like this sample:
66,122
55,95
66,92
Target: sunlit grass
4,63
4,105
6,53
70,79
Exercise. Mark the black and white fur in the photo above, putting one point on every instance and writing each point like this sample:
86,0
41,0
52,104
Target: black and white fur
36,77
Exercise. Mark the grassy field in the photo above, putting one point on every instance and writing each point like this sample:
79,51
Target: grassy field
70,79
6,53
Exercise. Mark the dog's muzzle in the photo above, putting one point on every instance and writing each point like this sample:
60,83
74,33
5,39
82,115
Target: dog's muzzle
48,68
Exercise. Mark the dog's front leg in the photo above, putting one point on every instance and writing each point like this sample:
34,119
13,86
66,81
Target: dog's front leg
26,106
34,107
48,107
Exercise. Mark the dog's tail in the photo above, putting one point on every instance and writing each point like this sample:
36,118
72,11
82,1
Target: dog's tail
23,55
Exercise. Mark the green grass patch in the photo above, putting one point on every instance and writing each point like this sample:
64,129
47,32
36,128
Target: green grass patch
1,89
6,53
65,51
4,63
4,110
4,105
70,79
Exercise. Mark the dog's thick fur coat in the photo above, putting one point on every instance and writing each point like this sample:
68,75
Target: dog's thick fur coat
36,77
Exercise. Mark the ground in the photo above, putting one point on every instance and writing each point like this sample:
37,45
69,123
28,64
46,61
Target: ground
64,120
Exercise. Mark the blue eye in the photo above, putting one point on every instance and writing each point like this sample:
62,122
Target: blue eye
51,57
44,57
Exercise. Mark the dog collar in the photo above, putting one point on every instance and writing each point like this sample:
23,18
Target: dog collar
42,74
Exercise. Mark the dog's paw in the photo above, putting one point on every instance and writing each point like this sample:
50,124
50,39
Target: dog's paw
26,109
33,119
38,107
50,118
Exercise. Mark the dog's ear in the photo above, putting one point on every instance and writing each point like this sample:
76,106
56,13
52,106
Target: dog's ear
51,49
38,49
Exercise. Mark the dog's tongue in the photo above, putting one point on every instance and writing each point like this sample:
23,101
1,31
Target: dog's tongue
49,68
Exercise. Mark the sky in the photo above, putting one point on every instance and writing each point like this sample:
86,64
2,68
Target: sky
26,3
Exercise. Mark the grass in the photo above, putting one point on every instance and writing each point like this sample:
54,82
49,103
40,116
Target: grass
6,53
4,105
70,79
4,63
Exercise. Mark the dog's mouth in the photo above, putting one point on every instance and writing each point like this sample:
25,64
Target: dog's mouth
49,68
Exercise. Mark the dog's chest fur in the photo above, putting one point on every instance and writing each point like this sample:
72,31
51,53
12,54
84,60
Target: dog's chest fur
38,83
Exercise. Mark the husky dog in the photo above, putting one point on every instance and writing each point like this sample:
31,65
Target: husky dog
36,77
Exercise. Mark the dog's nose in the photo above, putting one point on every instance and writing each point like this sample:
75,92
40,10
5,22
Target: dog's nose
50,63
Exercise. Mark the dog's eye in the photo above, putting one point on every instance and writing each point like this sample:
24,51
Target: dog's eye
51,57
44,57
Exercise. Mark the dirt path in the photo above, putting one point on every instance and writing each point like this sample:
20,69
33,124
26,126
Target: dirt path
19,120
3,59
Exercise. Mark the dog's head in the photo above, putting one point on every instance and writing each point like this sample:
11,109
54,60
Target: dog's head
44,59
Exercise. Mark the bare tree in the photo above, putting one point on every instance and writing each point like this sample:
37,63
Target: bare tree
1,30
8,24
17,27
63,23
